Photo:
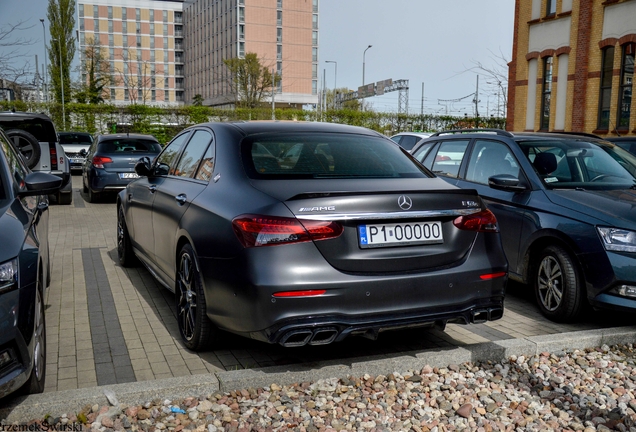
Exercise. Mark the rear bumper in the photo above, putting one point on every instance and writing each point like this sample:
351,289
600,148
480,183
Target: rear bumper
105,181
240,292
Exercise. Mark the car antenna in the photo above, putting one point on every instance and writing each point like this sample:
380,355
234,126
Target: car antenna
616,130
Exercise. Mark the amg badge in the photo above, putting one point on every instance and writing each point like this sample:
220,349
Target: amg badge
313,209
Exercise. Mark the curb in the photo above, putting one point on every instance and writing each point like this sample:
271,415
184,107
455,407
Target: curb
56,403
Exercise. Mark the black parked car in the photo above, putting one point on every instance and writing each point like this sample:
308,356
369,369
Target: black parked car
565,205
110,162
24,271
354,237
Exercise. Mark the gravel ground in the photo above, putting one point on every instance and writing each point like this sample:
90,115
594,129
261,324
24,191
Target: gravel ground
591,390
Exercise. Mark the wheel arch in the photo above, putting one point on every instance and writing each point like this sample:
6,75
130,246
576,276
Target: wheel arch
543,239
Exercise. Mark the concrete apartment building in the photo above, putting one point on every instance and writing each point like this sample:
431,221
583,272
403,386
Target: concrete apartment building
143,42
164,52
283,34
572,67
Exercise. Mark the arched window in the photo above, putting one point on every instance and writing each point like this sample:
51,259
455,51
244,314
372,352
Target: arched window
546,93
625,87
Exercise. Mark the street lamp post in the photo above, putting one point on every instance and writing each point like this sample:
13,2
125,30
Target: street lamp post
59,42
46,66
363,62
335,81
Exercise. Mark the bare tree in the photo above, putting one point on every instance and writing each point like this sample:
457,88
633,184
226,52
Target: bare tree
95,70
137,77
250,80
496,74
14,64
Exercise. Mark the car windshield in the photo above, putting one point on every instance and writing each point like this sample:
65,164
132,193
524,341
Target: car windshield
582,164
129,145
324,155
75,138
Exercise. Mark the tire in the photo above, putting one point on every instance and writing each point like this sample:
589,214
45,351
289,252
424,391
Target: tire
35,383
93,197
64,198
557,285
27,145
196,329
125,253
84,188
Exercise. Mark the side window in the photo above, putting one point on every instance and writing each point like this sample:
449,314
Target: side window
193,154
408,141
490,158
422,151
17,170
166,160
449,157
207,164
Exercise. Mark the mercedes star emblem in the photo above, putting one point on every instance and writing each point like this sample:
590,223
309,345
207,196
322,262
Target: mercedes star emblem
405,202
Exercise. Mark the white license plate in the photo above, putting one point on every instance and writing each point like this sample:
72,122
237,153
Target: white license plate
400,234
77,161
128,175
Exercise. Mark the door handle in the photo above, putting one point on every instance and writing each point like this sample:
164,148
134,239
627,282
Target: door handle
152,188
181,199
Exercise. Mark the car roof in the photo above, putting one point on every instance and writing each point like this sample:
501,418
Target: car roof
23,115
73,133
622,139
277,126
517,136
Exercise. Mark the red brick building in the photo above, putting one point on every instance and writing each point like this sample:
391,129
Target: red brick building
572,66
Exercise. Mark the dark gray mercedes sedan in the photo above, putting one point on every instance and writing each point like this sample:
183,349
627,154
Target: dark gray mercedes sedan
304,233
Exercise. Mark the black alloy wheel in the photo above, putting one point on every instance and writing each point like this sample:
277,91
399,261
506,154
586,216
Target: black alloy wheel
197,331
557,286
125,253
35,383
26,144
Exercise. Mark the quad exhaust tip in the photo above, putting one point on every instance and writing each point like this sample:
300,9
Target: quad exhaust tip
301,337
480,316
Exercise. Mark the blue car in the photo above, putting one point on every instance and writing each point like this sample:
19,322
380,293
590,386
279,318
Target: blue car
566,208
110,162
24,271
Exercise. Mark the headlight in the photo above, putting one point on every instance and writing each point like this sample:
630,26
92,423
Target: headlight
8,275
616,239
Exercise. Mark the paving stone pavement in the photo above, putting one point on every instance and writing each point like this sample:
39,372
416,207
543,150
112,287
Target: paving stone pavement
109,325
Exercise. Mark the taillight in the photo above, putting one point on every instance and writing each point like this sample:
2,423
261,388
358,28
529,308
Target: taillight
484,221
256,230
53,153
307,293
99,161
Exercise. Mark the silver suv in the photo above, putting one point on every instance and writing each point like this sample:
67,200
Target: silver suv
35,137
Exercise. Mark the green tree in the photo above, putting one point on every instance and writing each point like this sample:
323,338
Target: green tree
197,100
250,80
95,67
61,15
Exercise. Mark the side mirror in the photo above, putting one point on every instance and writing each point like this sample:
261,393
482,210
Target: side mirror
506,182
143,167
40,183
83,152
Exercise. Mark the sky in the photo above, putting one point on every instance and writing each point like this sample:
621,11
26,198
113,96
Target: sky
435,43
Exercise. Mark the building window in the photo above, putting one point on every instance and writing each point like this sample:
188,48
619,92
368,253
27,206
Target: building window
111,55
152,28
95,11
241,49
111,40
153,95
137,14
314,38
279,35
314,87
314,54
165,42
112,94
279,52
81,10
315,5
242,31
165,16
140,94
241,14
152,55
178,17
126,95
314,70
152,15
152,43
81,24
124,14
110,12
82,38
110,26
279,68
605,92
138,41
279,4
279,18
314,22
546,93
165,29
625,89
550,7
124,30
138,27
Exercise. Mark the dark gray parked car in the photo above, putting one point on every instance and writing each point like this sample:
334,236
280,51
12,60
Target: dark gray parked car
24,271
354,237
110,162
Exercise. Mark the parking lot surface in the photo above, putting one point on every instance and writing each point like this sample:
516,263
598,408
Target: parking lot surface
108,325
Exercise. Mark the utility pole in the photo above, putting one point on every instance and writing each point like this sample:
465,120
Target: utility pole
273,93
46,66
477,98
324,93
422,107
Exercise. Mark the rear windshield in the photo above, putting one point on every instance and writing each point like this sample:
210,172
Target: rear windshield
313,155
75,138
129,145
